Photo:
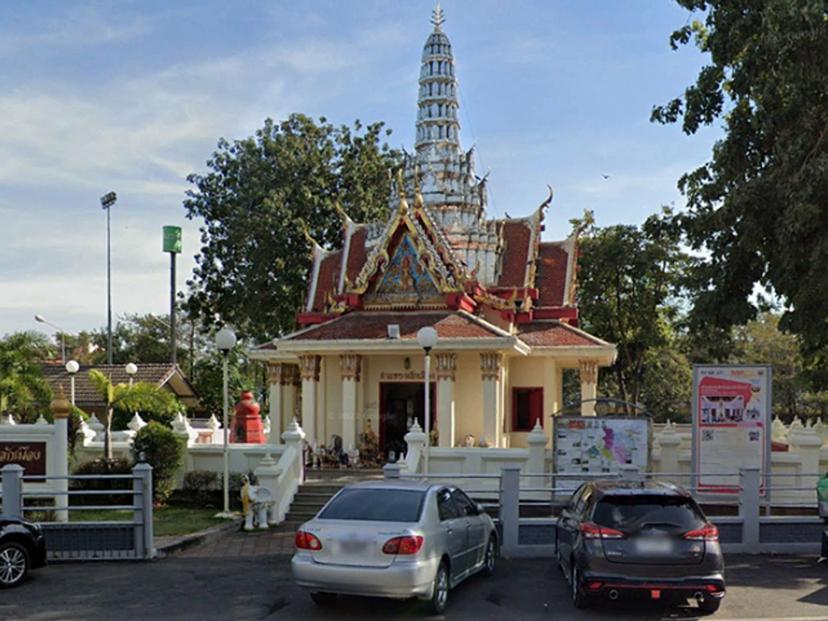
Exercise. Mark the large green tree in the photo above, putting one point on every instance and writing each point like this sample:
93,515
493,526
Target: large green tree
759,208
259,197
628,280
23,391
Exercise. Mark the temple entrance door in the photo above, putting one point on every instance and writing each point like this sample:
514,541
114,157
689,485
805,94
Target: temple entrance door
400,404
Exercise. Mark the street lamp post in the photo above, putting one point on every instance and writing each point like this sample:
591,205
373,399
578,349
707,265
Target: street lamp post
61,331
72,367
131,369
427,339
225,341
107,201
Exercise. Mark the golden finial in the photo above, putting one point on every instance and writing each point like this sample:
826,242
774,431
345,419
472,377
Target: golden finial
401,191
60,406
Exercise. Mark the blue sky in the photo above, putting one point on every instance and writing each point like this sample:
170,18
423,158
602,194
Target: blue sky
132,96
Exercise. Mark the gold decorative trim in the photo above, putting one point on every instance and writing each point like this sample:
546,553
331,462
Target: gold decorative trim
309,365
446,366
351,366
490,365
589,371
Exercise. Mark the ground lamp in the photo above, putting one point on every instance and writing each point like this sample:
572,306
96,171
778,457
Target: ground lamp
42,319
72,367
107,201
427,339
131,369
225,341
172,244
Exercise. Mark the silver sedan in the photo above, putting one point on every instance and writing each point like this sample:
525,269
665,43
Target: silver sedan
394,539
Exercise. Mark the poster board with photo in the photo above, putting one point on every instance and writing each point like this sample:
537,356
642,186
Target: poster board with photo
731,424
597,445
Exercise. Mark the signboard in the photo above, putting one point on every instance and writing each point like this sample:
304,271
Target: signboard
600,445
172,239
731,423
30,455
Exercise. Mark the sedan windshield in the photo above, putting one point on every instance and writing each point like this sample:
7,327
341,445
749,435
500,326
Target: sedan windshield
375,505
634,512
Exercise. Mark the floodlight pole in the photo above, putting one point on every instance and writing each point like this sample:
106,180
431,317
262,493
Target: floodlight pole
107,201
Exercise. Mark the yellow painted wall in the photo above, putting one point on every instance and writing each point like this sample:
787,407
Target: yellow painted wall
532,372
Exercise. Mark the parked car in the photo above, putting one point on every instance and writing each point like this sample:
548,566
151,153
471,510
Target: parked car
394,539
649,538
22,547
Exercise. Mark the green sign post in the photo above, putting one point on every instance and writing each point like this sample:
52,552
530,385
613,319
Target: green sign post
172,244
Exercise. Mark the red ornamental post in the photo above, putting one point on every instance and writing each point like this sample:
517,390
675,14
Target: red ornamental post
247,427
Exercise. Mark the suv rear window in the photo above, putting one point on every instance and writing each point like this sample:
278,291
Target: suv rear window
375,505
629,513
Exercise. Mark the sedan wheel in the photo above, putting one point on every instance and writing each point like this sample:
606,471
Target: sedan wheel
14,564
491,557
439,594
323,599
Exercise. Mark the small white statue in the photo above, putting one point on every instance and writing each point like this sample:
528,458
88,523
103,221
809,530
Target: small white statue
256,503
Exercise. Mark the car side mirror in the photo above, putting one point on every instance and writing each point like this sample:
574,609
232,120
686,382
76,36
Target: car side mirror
480,509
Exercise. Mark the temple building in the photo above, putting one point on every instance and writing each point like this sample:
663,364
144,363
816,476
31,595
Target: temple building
501,300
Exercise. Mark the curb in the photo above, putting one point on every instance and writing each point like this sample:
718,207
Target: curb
187,541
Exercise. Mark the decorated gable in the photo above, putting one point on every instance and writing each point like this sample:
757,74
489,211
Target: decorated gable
406,281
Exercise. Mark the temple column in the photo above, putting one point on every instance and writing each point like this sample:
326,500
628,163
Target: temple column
309,371
291,383
275,401
445,375
490,365
589,386
351,365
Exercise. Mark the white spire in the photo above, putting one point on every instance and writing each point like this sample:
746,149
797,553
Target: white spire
437,17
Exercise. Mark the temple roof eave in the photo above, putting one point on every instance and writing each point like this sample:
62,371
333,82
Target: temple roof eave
286,350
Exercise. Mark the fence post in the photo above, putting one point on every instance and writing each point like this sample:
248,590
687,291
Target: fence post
144,471
138,513
13,490
510,509
749,508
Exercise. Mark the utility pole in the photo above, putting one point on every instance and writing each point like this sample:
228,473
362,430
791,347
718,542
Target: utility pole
107,201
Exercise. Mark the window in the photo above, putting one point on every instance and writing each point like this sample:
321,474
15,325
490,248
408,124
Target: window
527,408
376,505
631,512
445,505
465,506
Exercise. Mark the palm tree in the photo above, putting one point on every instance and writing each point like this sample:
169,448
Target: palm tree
139,397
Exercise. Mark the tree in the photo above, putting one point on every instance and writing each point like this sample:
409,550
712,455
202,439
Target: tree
628,279
260,196
208,380
22,387
759,208
140,397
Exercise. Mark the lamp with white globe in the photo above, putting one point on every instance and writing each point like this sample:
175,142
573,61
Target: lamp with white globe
225,342
72,368
131,369
427,339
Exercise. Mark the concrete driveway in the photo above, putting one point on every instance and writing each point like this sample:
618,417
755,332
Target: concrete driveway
260,587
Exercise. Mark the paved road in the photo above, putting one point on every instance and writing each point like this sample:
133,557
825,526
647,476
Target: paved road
193,587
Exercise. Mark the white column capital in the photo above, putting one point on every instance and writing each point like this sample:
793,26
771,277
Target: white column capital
445,366
351,366
490,365
589,371
309,365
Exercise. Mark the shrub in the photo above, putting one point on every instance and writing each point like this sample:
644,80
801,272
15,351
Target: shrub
162,450
102,467
201,481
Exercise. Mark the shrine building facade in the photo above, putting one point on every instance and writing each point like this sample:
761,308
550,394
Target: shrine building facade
501,299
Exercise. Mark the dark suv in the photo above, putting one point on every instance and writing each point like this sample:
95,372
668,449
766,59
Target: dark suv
639,537
22,547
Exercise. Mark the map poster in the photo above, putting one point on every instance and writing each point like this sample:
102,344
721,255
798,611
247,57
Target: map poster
731,424
596,445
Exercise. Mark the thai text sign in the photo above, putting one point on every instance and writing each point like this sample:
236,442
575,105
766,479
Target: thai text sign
600,445
30,455
731,420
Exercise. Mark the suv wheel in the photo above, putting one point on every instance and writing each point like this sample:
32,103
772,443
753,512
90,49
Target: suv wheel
323,599
578,597
14,564
709,604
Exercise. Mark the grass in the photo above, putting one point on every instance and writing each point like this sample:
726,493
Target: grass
166,521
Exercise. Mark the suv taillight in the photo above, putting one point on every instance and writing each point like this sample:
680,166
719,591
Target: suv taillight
409,544
307,541
591,530
708,532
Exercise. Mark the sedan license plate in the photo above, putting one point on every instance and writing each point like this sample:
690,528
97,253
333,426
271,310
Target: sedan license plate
353,546
654,545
